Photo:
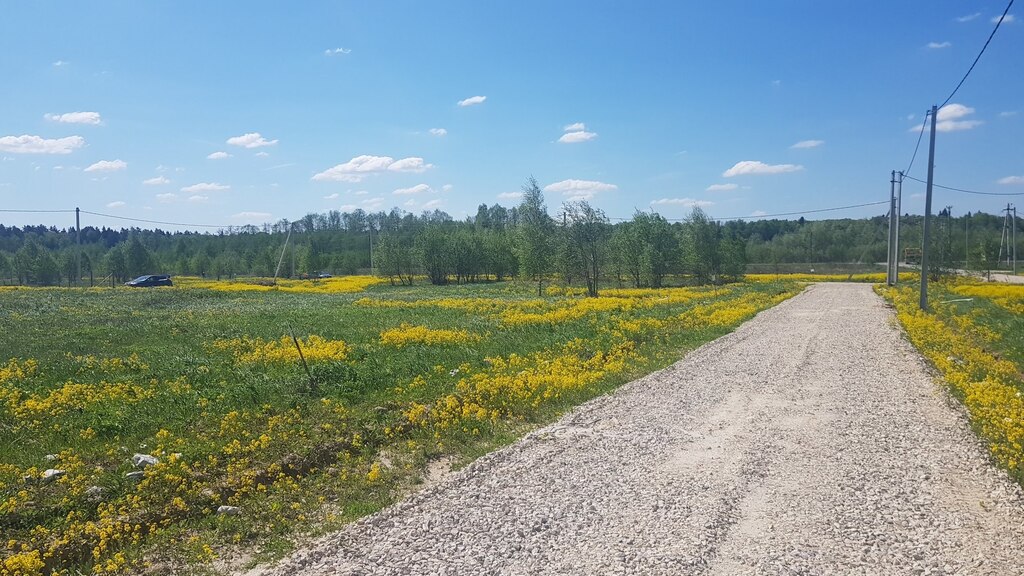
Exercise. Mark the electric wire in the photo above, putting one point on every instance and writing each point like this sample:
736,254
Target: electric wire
965,191
760,216
964,79
36,211
158,221
918,145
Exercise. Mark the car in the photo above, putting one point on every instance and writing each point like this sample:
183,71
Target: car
150,280
324,275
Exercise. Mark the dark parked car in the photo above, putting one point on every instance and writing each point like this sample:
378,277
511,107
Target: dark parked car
150,280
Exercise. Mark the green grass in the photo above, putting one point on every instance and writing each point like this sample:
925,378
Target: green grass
298,461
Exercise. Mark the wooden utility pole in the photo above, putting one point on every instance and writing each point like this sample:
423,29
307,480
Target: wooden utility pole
923,303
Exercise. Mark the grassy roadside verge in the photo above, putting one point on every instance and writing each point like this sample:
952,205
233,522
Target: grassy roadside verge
974,336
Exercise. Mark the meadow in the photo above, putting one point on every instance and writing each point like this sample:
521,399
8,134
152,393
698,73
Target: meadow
207,426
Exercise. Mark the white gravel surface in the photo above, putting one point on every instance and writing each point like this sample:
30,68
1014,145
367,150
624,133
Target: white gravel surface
813,440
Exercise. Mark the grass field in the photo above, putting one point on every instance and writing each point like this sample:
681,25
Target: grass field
974,335
207,380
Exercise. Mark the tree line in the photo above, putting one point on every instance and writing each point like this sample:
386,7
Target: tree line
580,245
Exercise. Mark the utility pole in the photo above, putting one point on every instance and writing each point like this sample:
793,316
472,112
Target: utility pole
1013,223
927,215
967,241
891,256
1005,236
78,241
899,212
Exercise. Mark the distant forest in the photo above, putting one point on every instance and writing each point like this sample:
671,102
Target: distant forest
580,245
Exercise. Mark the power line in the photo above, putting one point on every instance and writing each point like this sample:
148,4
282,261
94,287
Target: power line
964,79
38,211
156,221
727,218
966,191
920,134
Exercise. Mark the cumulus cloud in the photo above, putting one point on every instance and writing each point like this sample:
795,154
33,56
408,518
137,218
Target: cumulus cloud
331,196
938,45
348,207
575,127
1009,18
198,198
335,51
107,166
250,140
116,204
166,197
76,118
417,189
26,144
950,118
576,137
969,17
510,195
757,167
721,187
472,101
685,202
438,132
205,187
580,189
218,156
435,203
262,154
157,181
758,213
1008,113
356,169
1011,180
808,144
60,63
447,188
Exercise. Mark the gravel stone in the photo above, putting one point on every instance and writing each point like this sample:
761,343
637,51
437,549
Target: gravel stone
812,440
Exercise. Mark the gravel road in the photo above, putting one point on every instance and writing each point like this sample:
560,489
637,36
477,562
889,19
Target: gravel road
813,440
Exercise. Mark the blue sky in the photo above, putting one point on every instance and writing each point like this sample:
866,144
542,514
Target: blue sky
231,113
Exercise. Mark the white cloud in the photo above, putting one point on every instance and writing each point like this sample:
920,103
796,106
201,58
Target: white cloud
107,166
26,144
263,154
76,118
438,131
60,63
356,169
218,156
331,196
758,213
373,203
198,198
250,140
447,188
116,204
580,189
410,203
721,187
949,118
348,207
204,187
411,164
167,197
685,202
1008,113
472,100
156,181
969,17
578,126
1011,180
808,144
361,192
510,195
578,136
937,45
435,203
417,189
756,167
330,52
1009,18
263,216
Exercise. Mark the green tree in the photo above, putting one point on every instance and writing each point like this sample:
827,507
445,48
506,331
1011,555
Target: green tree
534,235
702,238
137,258
393,260
586,233
434,252
113,263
